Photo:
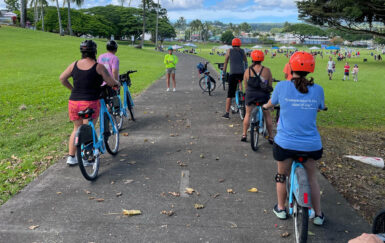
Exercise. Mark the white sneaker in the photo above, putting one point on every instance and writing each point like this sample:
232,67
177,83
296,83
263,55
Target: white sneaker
72,160
174,90
168,89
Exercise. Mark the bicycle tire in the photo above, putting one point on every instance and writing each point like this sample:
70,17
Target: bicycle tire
379,223
301,222
130,108
254,136
203,85
118,115
112,148
242,106
88,174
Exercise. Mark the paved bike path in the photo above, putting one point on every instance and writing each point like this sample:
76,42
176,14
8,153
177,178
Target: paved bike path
178,141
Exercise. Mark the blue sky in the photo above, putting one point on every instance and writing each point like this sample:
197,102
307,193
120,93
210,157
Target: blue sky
235,11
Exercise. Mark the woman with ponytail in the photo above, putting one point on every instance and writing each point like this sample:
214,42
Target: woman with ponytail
300,100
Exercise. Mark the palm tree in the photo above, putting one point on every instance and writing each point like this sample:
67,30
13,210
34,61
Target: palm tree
78,3
59,18
144,2
23,12
35,4
196,25
42,4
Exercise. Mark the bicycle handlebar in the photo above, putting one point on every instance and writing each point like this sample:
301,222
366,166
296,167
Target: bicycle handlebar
131,71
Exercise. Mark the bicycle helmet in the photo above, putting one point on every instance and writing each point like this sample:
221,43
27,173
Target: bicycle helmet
257,56
170,48
236,42
88,46
302,61
112,45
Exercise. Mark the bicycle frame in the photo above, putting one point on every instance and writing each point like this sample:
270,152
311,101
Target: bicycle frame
124,106
299,187
239,89
258,116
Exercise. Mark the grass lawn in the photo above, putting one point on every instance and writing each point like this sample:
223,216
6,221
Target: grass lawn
353,105
33,138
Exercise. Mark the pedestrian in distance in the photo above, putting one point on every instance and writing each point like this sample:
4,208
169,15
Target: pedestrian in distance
111,62
355,73
346,71
88,76
170,60
238,64
330,67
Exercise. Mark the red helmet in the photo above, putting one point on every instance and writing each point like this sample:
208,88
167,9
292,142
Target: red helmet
257,56
236,42
302,61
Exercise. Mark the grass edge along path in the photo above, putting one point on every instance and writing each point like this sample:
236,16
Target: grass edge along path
34,124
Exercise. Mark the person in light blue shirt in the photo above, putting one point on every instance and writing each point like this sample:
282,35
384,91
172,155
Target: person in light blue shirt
300,100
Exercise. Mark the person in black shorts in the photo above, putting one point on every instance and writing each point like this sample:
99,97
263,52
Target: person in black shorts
238,64
258,81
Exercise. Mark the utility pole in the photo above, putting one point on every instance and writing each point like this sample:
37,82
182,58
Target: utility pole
157,26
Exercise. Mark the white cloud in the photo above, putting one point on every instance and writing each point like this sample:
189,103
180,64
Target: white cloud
181,4
263,4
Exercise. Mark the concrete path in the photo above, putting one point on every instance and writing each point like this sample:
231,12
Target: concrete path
184,127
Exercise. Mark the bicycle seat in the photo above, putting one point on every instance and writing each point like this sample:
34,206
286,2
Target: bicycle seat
86,114
301,157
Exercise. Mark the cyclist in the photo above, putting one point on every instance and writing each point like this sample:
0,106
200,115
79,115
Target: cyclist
300,99
258,81
87,77
170,60
238,64
110,60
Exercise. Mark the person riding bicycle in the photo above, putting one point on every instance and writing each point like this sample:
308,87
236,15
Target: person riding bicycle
300,100
258,82
238,64
170,61
88,76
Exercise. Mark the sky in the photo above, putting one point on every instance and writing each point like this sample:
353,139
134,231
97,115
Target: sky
234,11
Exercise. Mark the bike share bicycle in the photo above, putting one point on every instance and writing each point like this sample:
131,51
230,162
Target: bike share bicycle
90,146
240,103
121,109
223,77
206,82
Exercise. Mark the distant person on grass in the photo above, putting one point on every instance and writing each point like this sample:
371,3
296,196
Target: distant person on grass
238,64
87,77
170,61
355,73
110,60
346,71
331,67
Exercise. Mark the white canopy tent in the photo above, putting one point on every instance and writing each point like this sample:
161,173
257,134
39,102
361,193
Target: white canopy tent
257,47
283,47
291,47
176,47
224,47
190,45
314,48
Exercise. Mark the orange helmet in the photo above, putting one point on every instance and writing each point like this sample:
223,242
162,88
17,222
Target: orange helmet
236,42
257,56
302,61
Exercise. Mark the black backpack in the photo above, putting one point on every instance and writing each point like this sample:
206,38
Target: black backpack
256,82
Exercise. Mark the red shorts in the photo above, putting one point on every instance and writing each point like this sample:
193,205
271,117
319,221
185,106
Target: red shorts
75,106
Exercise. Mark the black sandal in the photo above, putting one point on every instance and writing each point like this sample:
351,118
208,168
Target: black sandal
244,138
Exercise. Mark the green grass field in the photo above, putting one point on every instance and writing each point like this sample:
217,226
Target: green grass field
355,105
32,138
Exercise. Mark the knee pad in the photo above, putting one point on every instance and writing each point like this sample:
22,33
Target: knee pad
280,178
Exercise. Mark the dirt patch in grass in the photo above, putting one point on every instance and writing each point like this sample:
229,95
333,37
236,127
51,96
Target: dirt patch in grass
362,185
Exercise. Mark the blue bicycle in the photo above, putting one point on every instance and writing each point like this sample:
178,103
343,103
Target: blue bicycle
222,75
121,109
240,106
89,146
299,196
206,82
257,125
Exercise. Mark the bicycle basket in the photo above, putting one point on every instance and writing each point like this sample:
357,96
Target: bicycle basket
201,68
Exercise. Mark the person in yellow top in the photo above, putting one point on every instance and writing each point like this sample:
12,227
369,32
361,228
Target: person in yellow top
170,61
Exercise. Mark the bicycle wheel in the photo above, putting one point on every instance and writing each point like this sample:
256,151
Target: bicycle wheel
379,223
130,108
205,85
111,138
87,156
254,136
242,106
301,220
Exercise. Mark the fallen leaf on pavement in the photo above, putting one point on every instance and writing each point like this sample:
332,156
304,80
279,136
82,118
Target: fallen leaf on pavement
216,195
32,227
189,190
132,162
88,192
310,233
121,160
217,158
112,182
233,225
125,134
91,198
253,189
99,200
231,125
221,180
172,135
198,206
128,181
118,194
168,213
230,191
145,140
285,234
181,163
131,212
175,194
202,156
58,193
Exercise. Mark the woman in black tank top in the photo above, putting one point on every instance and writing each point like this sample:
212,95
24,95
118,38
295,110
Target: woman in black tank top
87,77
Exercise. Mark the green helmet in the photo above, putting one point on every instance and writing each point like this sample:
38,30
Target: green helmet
170,48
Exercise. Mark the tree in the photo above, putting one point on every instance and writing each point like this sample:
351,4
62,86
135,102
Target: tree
144,2
180,23
59,18
196,26
227,37
303,31
337,40
364,16
245,27
23,12
12,5
206,27
78,3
